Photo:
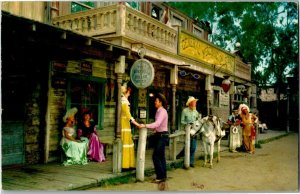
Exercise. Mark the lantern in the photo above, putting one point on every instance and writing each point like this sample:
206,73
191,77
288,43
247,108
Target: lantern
226,84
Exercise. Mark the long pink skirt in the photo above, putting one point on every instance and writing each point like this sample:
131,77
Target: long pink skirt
96,149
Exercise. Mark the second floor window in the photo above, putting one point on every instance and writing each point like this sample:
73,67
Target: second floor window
133,4
197,32
178,21
155,13
81,6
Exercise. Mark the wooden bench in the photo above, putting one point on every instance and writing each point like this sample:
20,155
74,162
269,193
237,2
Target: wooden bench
107,142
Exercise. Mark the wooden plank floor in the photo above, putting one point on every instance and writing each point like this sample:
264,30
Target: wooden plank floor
56,177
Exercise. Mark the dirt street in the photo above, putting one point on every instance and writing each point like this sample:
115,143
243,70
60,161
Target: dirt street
273,168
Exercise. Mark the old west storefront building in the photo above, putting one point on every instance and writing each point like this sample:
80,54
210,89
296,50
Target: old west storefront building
77,59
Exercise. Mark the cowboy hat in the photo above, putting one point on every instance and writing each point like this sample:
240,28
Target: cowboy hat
191,99
69,113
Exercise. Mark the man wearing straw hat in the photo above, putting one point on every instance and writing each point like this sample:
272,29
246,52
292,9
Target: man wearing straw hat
189,115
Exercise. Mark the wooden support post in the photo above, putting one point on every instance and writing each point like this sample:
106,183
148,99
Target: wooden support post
117,147
88,42
33,27
140,159
208,81
173,108
63,36
173,147
187,146
117,156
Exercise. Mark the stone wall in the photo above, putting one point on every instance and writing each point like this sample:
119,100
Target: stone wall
33,149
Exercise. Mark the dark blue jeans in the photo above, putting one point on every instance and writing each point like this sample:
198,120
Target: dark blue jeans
193,146
159,160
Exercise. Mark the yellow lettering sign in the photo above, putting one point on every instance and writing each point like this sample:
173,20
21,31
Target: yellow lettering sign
200,50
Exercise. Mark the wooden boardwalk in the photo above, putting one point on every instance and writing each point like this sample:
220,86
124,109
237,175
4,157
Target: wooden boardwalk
56,177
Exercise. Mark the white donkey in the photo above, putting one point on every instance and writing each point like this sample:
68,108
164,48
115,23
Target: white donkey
210,129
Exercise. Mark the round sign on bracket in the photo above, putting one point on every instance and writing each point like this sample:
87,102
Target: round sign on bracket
142,73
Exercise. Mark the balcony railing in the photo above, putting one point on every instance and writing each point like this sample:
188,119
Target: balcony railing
119,20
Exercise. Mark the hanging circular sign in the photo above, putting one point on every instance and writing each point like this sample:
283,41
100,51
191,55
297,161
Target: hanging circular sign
142,73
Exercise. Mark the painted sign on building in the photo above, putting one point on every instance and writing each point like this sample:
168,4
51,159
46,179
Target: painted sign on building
198,49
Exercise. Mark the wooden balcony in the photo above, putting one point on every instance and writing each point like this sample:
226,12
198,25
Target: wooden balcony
120,21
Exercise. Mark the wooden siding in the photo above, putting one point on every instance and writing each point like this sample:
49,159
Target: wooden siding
34,10
12,142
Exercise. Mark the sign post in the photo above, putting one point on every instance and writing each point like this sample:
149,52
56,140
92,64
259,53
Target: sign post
141,75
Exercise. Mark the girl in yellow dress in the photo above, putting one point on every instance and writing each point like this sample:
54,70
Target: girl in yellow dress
128,155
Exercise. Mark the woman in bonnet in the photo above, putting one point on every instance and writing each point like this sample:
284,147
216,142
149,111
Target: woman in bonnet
128,156
75,150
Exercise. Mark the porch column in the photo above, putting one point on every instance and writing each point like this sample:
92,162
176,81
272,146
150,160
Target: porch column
231,96
208,81
173,82
117,146
173,124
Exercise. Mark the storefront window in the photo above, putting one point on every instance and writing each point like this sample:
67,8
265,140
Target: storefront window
81,6
216,98
85,95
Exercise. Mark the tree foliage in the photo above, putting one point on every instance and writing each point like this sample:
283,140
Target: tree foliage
267,31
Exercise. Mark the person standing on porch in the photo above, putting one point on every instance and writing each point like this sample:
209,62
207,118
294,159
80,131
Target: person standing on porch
189,115
160,139
128,156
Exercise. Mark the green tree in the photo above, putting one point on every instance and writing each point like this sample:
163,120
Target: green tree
268,33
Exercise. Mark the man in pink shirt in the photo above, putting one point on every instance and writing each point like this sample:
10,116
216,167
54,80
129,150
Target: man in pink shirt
161,137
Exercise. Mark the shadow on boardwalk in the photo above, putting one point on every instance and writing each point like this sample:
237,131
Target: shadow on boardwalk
56,177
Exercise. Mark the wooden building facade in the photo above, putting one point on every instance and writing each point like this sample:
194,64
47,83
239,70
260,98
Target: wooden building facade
68,54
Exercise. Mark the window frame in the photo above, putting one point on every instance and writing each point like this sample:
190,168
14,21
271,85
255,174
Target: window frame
195,27
101,101
184,20
128,3
216,98
82,5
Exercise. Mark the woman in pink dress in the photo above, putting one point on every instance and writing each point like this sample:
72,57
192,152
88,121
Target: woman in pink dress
88,129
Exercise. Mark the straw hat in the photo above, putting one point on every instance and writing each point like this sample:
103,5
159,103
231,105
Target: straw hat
191,99
69,113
